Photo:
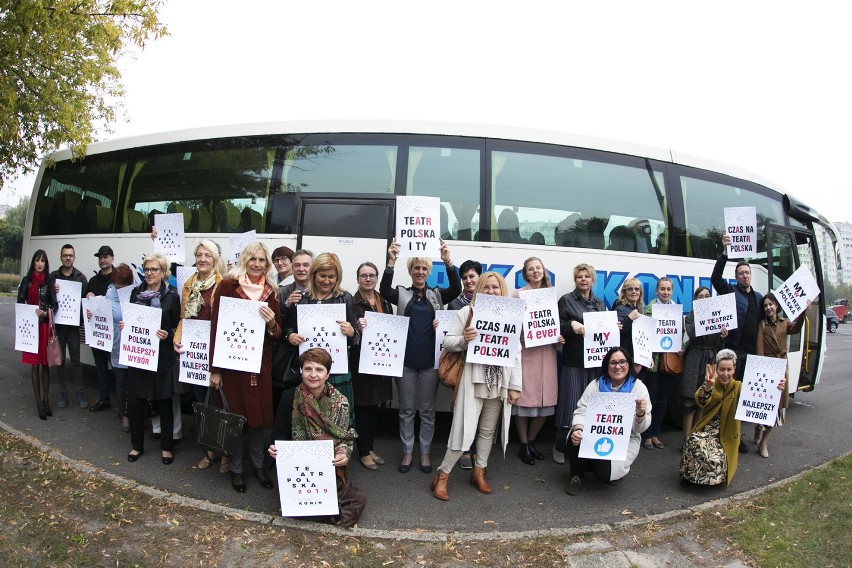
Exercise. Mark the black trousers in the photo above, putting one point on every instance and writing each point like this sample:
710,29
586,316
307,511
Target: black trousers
136,412
602,469
366,424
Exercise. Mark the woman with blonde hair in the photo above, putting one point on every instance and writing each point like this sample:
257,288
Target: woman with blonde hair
485,394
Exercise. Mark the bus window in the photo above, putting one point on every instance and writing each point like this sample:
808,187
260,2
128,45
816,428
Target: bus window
339,168
452,174
704,205
562,201
78,197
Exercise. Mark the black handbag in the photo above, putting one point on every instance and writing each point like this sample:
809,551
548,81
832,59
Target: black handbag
285,366
218,429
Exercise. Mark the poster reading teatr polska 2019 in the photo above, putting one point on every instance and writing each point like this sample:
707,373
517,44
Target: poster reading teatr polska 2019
306,480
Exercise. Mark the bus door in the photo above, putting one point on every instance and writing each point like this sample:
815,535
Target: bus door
788,249
357,230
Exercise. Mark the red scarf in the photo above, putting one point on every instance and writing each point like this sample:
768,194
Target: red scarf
36,282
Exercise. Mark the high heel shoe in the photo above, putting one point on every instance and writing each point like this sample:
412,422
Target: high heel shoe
525,455
47,407
41,413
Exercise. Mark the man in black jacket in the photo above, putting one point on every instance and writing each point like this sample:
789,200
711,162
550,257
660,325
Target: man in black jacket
69,335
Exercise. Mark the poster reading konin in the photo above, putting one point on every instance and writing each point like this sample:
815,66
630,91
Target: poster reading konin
318,325
498,323
306,482
541,317
760,396
193,362
26,328
609,420
68,298
714,313
741,226
240,330
140,346
643,340
601,335
383,344
418,226
170,241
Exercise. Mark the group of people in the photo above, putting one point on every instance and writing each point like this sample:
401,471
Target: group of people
543,381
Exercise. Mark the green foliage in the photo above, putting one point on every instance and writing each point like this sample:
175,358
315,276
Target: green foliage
17,215
58,73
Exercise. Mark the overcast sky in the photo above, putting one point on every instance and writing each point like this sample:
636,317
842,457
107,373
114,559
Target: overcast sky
761,85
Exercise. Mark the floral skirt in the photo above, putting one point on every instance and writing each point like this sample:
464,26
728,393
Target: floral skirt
703,461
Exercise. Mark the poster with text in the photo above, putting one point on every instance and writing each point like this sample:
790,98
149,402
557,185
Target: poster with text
541,317
87,322
170,241
643,340
418,226
714,313
445,321
741,226
318,325
307,485
794,293
760,396
124,294
600,336
26,328
498,322
182,274
194,360
101,326
140,346
238,243
68,298
668,329
383,344
609,420
240,331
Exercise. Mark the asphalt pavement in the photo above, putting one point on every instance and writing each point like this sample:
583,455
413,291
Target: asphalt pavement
525,498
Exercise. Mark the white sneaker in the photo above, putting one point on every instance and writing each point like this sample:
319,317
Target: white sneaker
558,456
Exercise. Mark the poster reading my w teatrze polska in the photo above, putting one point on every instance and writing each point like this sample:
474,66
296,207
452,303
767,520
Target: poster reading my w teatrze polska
383,344
170,241
445,321
600,336
498,322
140,346
760,396
541,321
418,226
795,292
194,366
26,328
101,326
714,313
306,482
741,226
609,419
240,331
318,325
643,339
668,319
68,298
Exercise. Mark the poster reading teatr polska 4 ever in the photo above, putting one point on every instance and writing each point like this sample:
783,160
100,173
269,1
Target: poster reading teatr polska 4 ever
541,318
498,322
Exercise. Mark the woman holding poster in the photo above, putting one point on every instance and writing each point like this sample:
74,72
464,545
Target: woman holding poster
156,386
575,377
485,393
197,303
617,377
772,333
538,398
36,291
370,390
418,386
122,276
249,394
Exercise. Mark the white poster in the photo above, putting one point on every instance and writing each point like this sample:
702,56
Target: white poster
124,295
140,346
541,317
182,275
498,322
383,344
609,420
68,298
445,321
418,226
102,331
794,293
194,360
87,322
760,395
238,243
307,485
170,241
601,335
714,313
318,324
26,328
741,226
240,331
668,332
643,340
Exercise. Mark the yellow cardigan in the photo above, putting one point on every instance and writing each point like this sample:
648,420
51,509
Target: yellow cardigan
723,401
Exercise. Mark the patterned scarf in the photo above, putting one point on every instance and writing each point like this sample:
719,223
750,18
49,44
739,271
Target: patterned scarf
314,414
149,298
493,374
194,301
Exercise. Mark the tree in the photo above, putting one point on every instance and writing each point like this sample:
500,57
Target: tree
58,73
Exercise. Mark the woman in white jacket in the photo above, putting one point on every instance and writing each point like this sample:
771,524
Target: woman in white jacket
485,392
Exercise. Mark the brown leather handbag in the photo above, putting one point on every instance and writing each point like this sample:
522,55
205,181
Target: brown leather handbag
671,363
451,363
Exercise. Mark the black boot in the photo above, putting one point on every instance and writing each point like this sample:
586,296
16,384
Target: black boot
37,392
535,453
525,455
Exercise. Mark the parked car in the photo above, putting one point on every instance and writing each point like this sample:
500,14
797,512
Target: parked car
840,311
831,320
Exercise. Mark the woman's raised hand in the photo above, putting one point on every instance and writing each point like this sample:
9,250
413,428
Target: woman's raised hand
709,377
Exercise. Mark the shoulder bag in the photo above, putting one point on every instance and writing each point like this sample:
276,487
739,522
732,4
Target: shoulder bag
219,430
671,363
451,363
54,351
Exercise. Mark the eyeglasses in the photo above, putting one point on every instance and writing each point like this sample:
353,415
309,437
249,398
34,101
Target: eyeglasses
280,260
622,363
68,256
150,270
368,276
633,289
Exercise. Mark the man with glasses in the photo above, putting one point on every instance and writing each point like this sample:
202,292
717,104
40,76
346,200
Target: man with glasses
743,339
69,335
282,259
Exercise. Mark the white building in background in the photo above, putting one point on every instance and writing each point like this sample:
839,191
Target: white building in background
829,267
845,251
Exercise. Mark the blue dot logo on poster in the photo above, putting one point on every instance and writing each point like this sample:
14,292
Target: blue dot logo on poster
604,447
666,343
